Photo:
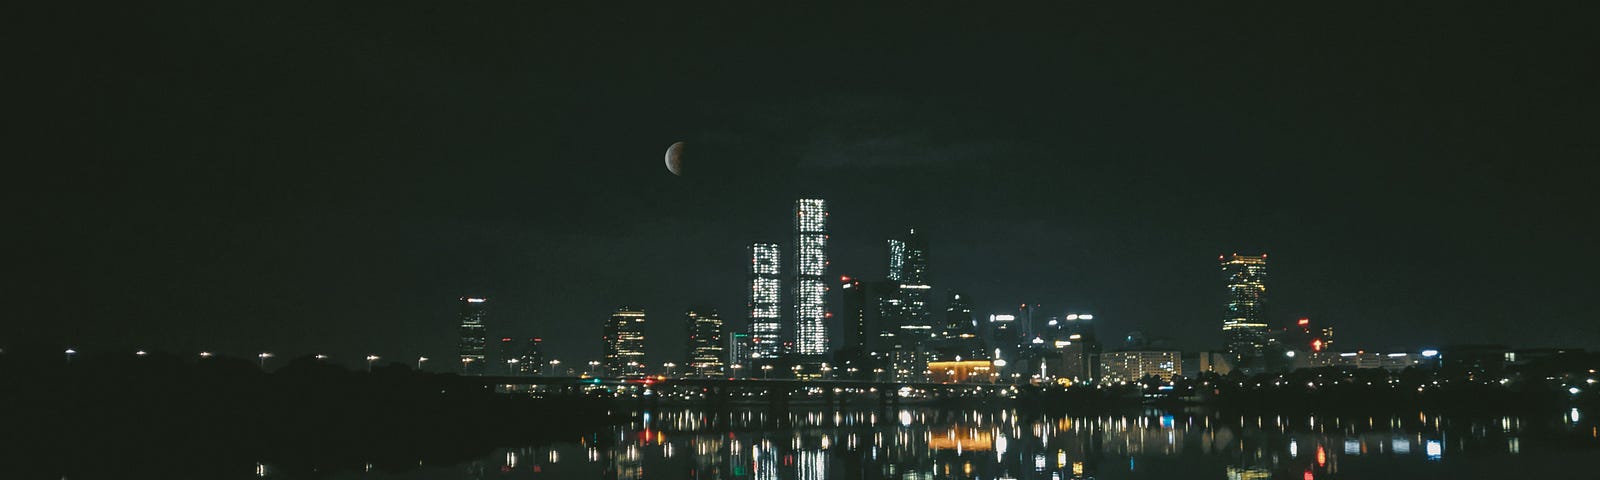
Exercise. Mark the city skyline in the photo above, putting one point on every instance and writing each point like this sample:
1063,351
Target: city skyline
802,241
1054,155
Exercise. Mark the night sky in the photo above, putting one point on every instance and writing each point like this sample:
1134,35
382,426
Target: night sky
318,177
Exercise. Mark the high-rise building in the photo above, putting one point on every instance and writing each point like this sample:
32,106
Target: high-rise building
1080,350
704,353
473,342
957,316
884,310
765,303
1131,366
810,288
624,342
1004,338
738,352
854,312
1244,323
508,356
958,333
531,360
908,268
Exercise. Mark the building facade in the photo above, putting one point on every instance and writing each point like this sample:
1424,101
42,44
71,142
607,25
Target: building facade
765,303
531,359
1079,349
908,268
1244,324
810,287
958,332
962,371
1133,365
704,352
473,343
738,352
624,342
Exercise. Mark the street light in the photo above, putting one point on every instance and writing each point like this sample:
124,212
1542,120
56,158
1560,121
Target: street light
420,361
141,353
766,371
669,366
264,356
592,365
205,354
370,359
320,357
70,352
556,363
736,368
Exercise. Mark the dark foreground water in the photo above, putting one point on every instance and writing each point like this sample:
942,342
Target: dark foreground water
917,443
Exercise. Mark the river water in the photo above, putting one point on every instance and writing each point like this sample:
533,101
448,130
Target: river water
913,443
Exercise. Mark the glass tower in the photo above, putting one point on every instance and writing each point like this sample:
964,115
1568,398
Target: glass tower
908,267
624,342
1244,325
810,266
531,360
473,341
704,328
766,296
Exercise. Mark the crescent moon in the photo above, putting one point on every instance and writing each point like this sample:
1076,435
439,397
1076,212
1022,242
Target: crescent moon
675,159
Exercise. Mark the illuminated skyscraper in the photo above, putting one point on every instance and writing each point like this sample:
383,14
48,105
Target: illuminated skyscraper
508,355
855,313
957,317
738,354
1244,324
473,342
908,266
704,328
958,333
810,288
531,361
766,297
624,342
1080,350
1004,337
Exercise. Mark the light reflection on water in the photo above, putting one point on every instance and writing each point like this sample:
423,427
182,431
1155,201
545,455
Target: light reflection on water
912,444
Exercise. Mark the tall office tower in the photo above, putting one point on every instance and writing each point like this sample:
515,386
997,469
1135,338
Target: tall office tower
854,311
1244,324
738,354
1025,326
704,352
624,342
766,297
881,322
1080,351
531,360
508,355
1003,334
957,316
810,266
958,333
908,267
473,343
